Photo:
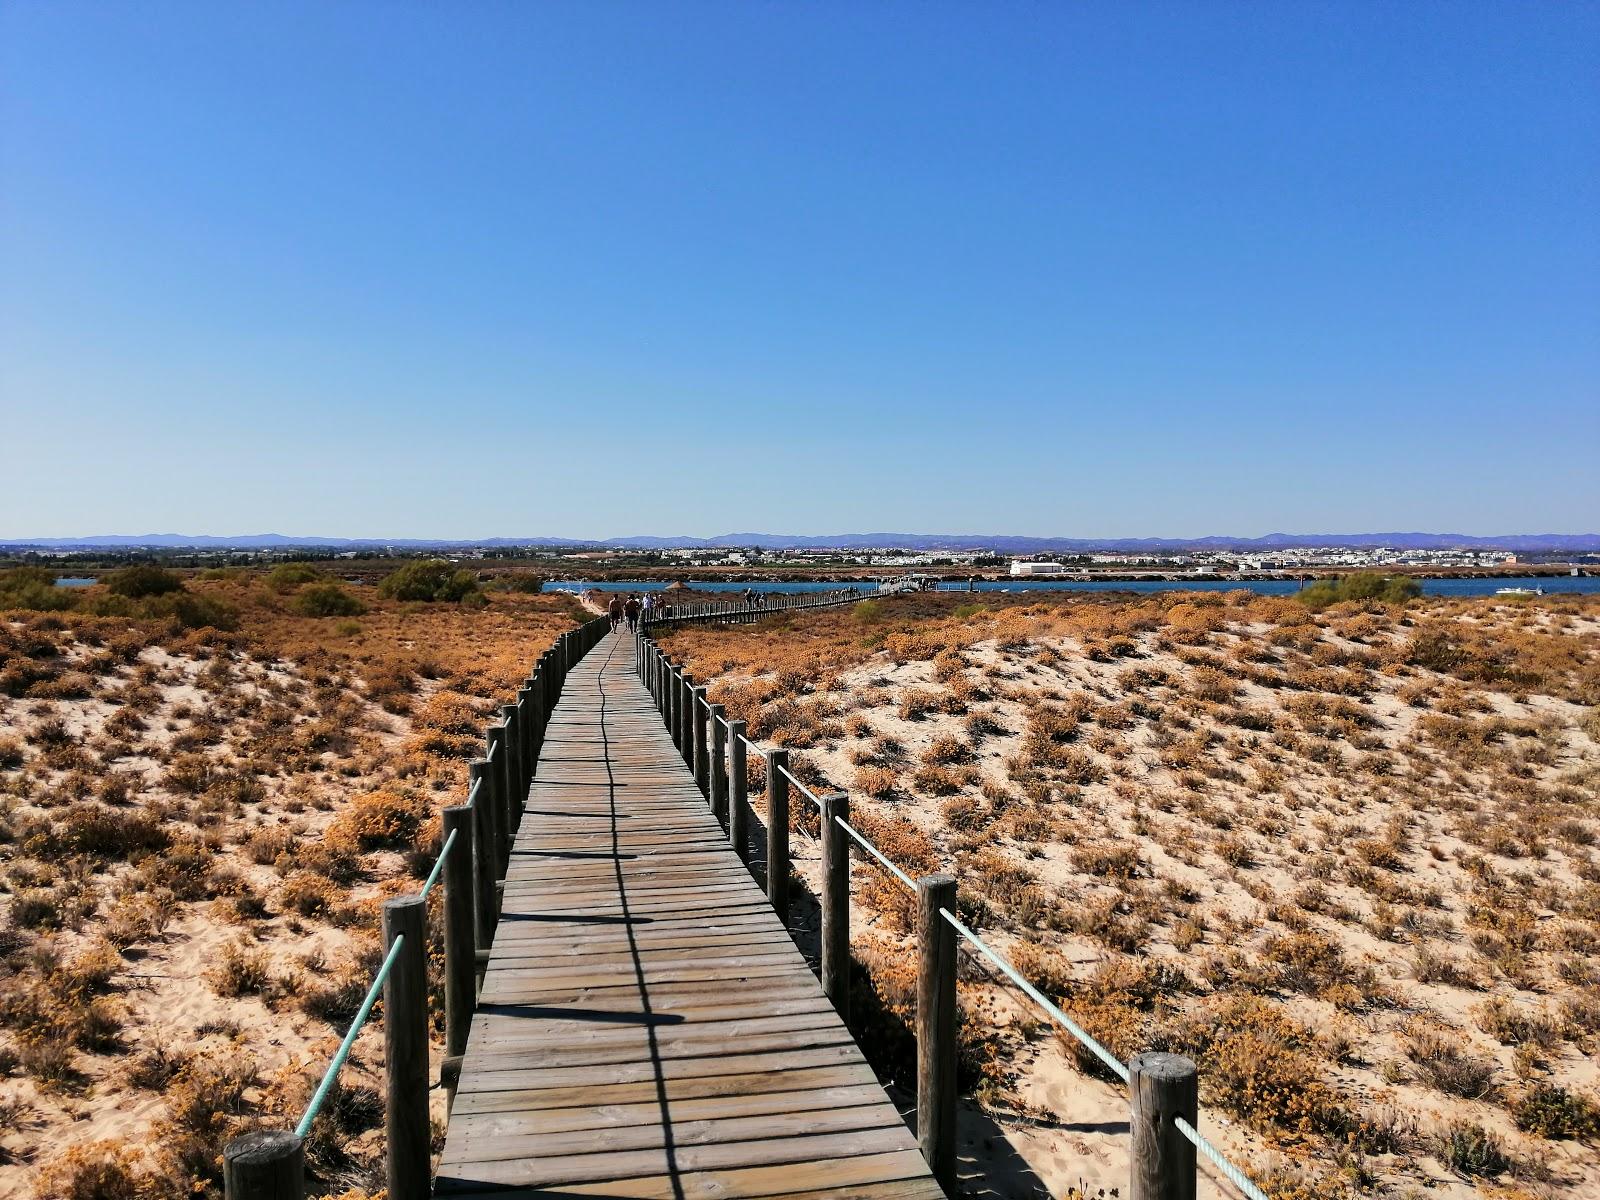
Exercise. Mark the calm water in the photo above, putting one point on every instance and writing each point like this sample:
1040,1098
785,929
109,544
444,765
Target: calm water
75,581
1274,587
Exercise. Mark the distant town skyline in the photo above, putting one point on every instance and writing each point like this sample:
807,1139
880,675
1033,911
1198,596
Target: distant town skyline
1005,543
411,268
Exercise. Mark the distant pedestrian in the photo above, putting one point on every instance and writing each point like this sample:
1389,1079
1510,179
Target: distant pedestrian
631,611
614,610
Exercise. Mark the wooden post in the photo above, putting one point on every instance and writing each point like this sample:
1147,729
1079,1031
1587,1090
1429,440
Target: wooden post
702,747
535,722
483,865
675,704
508,718
836,903
936,1026
1161,1087
496,795
738,798
405,1045
525,737
719,763
686,719
778,832
460,958
267,1164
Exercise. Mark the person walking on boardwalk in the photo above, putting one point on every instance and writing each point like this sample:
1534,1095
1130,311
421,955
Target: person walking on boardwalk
631,611
615,611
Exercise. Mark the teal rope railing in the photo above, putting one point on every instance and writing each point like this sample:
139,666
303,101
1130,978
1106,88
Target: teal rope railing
365,1011
438,864
343,1052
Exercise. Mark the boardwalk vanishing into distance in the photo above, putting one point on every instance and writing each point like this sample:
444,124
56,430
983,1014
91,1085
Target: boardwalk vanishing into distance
646,1027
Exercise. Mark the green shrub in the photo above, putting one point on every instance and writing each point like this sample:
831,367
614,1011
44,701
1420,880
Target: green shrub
519,581
328,600
143,580
289,575
869,612
184,609
429,579
1470,1150
1363,585
33,588
1554,1112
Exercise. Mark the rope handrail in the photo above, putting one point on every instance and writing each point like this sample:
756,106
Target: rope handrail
790,775
876,853
1236,1176
1039,997
438,865
339,1057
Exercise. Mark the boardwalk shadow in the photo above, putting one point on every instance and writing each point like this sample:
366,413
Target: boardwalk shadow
573,919
602,1016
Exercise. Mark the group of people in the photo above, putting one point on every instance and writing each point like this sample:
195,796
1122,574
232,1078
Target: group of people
753,598
628,609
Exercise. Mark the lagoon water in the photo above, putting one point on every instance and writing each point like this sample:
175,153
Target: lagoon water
1552,585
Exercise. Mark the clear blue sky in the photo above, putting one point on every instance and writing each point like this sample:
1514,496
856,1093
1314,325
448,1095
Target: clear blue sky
473,269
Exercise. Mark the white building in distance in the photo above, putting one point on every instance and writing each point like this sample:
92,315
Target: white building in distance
1037,568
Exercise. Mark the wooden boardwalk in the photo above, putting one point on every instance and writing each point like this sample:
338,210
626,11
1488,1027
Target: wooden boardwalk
646,1026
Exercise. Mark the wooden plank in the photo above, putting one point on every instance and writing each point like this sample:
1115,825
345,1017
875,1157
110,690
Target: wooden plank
749,1083
898,1175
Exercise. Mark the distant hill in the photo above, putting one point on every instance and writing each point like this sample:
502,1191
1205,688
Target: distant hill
1575,543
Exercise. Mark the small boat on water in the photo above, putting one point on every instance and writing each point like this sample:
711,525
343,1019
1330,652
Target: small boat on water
1519,591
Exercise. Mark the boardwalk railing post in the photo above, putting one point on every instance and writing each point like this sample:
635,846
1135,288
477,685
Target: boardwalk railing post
497,794
719,763
513,736
686,719
675,704
936,1025
536,718
526,738
702,749
483,864
778,832
738,799
405,1045
836,903
1161,1087
460,958
267,1164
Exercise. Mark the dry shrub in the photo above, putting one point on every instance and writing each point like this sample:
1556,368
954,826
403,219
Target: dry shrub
241,970
1442,1062
379,821
877,782
1111,862
938,781
101,1170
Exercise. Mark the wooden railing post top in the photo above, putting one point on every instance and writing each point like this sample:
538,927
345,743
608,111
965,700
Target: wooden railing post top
402,905
266,1164
937,882
777,755
1165,1067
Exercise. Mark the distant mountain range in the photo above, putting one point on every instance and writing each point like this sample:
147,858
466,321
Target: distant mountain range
1001,543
